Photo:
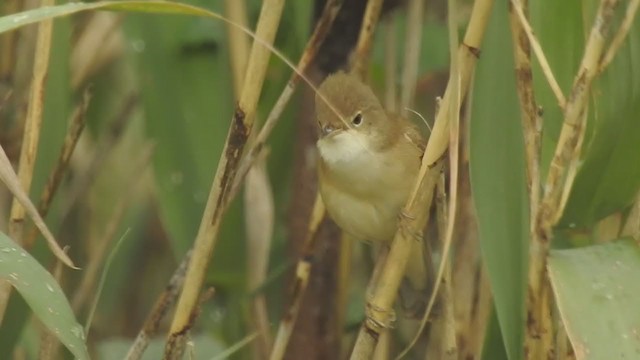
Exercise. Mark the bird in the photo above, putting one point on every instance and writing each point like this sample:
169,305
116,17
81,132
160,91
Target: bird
367,165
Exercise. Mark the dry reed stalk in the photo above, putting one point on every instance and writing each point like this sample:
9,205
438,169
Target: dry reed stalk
308,55
160,309
33,123
224,178
379,313
516,5
320,32
618,38
468,54
383,349
78,121
258,197
539,329
448,346
236,11
168,297
109,139
303,269
440,343
178,341
530,113
360,55
255,150
454,167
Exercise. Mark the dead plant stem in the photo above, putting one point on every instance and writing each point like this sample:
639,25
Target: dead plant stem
241,126
360,55
539,330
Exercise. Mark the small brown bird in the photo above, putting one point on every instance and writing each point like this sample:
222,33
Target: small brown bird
368,165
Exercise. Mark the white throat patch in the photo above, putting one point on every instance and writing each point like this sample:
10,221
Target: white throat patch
346,147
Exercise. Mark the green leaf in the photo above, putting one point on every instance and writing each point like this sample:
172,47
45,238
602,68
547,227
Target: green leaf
14,21
498,179
43,294
609,177
493,348
597,292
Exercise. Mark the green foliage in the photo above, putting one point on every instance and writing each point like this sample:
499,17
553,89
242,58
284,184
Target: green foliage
597,291
43,294
610,175
498,180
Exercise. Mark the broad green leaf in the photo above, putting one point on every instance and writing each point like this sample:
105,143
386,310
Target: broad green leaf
597,292
609,177
14,21
498,179
43,294
493,348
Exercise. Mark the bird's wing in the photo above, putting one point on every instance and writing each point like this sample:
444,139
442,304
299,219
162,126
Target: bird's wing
411,132
414,136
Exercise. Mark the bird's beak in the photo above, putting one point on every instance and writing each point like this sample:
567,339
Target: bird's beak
327,129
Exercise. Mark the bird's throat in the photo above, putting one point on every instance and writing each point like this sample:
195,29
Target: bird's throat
347,148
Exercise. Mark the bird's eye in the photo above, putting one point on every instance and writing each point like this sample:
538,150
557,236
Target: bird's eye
357,120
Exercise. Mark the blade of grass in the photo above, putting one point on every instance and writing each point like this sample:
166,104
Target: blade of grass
10,179
103,278
43,295
235,347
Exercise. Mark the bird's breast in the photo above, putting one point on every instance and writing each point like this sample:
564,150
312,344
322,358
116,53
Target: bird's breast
364,193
